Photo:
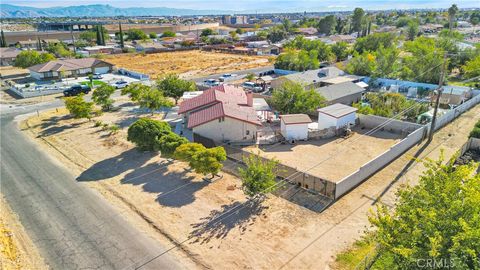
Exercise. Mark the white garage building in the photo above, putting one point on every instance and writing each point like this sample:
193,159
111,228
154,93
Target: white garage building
294,126
336,115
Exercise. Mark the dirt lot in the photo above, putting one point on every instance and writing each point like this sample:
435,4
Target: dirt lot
338,157
174,205
188,64
17,250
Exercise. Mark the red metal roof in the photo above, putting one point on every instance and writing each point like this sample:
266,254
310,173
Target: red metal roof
221,93
241,113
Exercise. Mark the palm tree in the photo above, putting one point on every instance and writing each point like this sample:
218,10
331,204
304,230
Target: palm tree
452,12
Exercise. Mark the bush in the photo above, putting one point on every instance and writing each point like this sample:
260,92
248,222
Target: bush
98,123
167,144
259,176
78,107
209,161
475,133
114,129
145,133
185,152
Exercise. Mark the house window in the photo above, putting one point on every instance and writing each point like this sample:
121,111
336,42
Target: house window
248,132
221,119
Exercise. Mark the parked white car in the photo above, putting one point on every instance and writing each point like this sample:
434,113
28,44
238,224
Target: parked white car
211,82
252,87
227,76
119,84
97,76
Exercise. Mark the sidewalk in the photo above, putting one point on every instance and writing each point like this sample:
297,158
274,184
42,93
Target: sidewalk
346,220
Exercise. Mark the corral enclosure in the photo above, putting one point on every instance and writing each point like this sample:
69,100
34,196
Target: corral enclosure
188,64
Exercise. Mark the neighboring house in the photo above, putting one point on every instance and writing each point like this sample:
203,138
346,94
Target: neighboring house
350,39
336,115
453,95
268,50
316,78
345,93
309,31
223,113
69,68
294,126
257,44
8,55
149,47
99,49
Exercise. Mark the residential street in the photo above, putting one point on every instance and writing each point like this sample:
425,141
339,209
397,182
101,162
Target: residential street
73,227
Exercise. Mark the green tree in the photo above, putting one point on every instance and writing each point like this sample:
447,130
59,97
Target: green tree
135,91
452,12
145,133
341,51
292,98
89,36
362,64
168,34
357,20
423,61
386,62
239,31
102,96
3,41
59,50
136,34
209,161
153,100
472,68
258,176
168,143
327,24
250,77
438,219
207,32
374,41
412,30
299,60
27,59
120,36
174,87
78,107
277,34
186,151
152,35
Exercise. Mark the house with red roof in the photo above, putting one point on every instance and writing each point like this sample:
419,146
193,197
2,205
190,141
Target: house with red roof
222,113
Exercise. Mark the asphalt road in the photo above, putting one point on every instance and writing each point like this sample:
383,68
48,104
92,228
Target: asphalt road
72,226
241,74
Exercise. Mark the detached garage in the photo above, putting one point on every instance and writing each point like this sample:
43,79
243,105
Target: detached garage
294,126
336,115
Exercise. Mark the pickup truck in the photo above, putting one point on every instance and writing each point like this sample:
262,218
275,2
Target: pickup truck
211,82
76,90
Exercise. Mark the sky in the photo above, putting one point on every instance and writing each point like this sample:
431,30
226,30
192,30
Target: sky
239,5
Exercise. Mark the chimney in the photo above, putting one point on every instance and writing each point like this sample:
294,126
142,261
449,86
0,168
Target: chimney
249,99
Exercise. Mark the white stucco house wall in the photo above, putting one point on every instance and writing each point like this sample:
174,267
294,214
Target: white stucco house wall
227,129
294,126
337,115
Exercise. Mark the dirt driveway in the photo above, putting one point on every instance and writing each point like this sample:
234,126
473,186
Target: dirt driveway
209,222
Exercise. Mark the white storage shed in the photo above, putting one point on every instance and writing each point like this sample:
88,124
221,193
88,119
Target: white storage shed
336,115
294,126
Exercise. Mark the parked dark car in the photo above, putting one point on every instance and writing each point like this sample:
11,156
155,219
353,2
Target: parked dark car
76,90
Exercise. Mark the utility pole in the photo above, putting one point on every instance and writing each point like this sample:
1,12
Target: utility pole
437,102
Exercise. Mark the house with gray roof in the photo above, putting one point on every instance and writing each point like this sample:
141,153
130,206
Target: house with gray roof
316,78
345,93
69,68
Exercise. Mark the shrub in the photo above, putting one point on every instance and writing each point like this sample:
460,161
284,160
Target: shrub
98,123
209,161
114,129
475,133
185,152
78,107
169,142
145,133
259,175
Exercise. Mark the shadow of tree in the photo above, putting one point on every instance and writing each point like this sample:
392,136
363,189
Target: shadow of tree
115,166
174,188
220,222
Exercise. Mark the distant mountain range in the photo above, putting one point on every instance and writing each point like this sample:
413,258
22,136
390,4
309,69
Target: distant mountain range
12,11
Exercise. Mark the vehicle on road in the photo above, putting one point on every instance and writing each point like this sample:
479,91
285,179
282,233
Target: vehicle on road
211,82
252,87
97,76
226,76
76,90
120,84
